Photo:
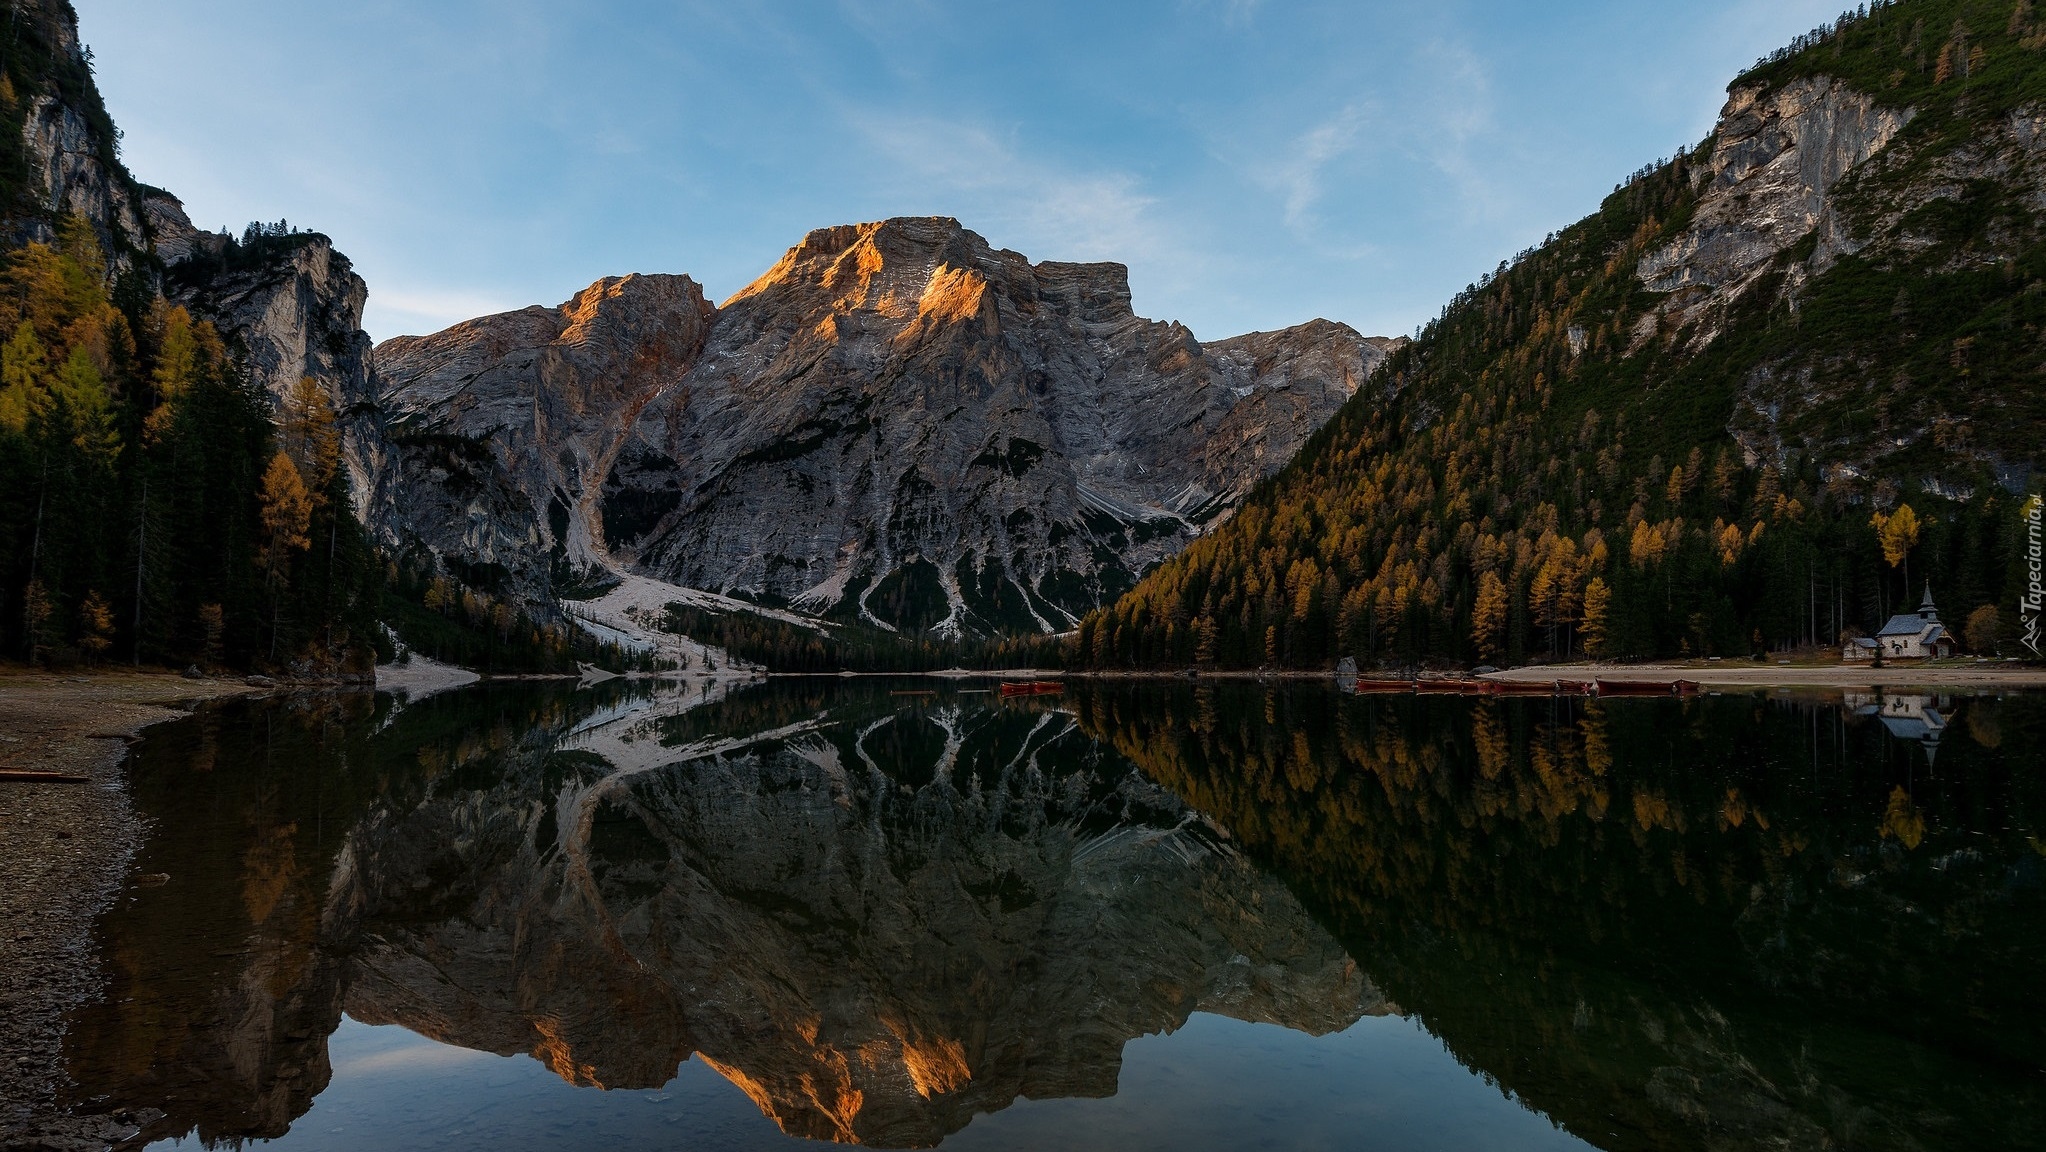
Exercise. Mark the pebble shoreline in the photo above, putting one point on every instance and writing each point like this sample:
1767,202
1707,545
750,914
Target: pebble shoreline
65,851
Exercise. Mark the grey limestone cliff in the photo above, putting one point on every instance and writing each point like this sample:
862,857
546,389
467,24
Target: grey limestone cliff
66,162
1810,184
1776,156
502,429
290,306
897,424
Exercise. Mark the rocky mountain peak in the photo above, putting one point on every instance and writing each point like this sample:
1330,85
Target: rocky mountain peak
897,424
636,316
884,266
913,267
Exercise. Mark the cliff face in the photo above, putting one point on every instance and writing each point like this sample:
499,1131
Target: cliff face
1775,158
288,306
502,429
896,424
1804,174
64,161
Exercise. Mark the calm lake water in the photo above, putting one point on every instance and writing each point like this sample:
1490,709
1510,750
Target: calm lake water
1131,916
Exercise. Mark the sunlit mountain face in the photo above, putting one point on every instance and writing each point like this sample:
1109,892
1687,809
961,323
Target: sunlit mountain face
886,912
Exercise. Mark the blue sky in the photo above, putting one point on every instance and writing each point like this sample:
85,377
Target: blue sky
1256,163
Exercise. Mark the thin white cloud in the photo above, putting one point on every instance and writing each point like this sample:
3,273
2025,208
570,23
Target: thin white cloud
1459,136
398,310
969,171
1299,174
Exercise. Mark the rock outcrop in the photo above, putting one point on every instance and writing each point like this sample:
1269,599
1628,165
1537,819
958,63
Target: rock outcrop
69,164
65,158
502,429
1776,156
1803,175
897,424
290,306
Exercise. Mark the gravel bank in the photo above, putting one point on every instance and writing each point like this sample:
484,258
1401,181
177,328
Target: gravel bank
65,850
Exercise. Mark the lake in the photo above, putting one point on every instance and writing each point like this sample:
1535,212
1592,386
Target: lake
911,913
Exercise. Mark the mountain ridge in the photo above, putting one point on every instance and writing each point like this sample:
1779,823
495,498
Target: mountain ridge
894,408
1693,422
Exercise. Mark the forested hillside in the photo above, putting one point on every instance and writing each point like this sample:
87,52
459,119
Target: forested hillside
148,507
174,482
1761,398
151,511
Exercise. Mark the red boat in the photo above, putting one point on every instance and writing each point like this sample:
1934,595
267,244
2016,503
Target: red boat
1032,688
1521,688
1370,687
1645,688
1447,687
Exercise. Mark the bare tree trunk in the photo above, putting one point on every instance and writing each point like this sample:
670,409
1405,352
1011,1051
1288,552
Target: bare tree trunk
35,556
141,553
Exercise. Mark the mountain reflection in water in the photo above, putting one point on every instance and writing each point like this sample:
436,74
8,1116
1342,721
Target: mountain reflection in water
1726,922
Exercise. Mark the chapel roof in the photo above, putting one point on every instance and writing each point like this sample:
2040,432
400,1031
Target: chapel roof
1910,625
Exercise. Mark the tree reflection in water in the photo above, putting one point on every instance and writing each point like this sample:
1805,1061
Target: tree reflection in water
1716,923
1738,921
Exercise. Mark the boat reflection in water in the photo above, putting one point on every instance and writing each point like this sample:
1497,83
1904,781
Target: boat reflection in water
1716,922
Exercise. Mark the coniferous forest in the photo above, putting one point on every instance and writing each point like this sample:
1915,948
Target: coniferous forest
155,513
1551,470
1569,461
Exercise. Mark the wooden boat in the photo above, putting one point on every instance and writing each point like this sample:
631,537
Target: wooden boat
1636,688
1521,688
1032,688
1576,687
1442,687
1371,687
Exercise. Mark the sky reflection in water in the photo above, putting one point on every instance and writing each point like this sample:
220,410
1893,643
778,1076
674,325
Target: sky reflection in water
1138,915
1216,1083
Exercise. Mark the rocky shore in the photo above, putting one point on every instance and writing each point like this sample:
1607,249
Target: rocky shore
65,850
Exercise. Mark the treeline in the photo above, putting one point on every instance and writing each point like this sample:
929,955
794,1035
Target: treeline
261,245
438,616
150,510
1556,478
781,646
